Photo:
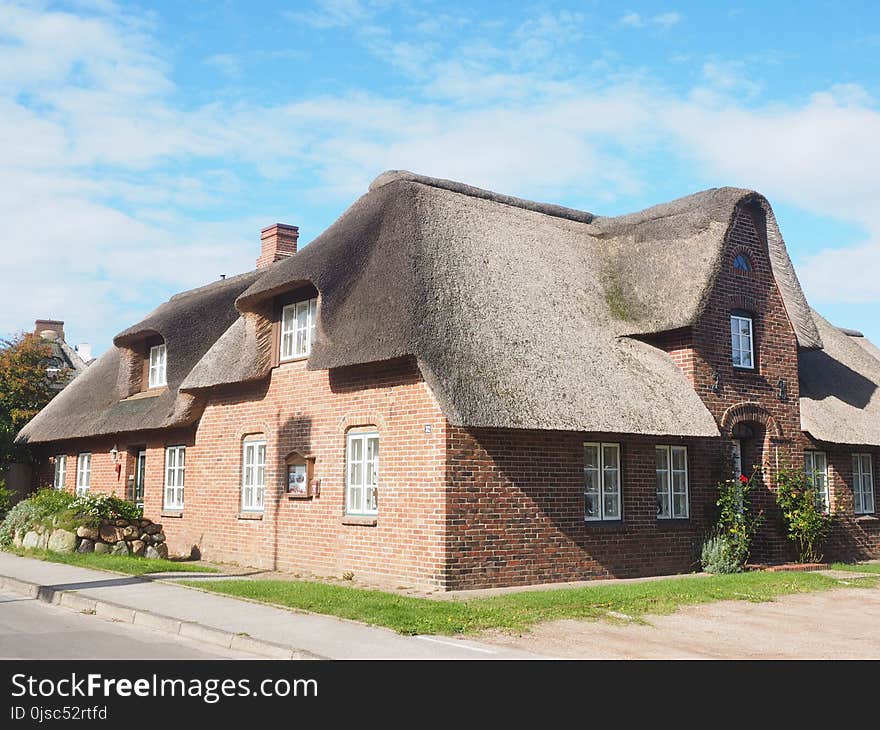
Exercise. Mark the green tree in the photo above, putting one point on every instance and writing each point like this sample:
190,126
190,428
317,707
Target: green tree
25,388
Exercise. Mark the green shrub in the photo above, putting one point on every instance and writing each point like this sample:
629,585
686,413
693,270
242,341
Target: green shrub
5,499
719,555
95,507
807,524
53,508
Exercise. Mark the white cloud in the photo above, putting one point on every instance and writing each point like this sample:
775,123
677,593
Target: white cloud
660,20
99,227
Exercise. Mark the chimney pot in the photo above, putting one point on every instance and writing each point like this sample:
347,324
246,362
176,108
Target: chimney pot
55,325
84,350
277,242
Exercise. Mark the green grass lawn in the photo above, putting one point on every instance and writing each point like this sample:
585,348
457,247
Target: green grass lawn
517,611
116,563
857,567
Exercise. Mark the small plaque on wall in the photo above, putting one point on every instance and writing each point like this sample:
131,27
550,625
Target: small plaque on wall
298,481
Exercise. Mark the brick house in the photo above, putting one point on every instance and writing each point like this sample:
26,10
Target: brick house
554,394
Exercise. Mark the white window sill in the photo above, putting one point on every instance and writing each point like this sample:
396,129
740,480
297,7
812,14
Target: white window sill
250,515
171,512
362,520
298,358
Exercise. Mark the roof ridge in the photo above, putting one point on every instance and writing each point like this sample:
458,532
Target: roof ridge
551,209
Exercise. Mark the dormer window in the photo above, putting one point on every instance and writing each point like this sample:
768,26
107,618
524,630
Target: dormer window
158,358
742,340
741,263
298,321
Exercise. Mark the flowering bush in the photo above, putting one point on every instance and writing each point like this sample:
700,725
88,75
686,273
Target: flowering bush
53,508
807,523
95,507
727,548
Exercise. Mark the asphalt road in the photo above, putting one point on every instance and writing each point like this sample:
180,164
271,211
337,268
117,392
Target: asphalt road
30,629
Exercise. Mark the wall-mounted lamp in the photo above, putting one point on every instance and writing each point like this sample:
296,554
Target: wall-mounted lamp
782,390
716,383
114,454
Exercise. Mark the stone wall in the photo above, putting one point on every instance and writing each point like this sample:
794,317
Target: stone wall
141,538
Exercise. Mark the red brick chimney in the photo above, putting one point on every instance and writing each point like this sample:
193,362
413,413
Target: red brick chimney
278,242
49,325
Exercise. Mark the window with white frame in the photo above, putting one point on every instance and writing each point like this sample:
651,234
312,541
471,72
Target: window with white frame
362,474
672,482
83,474
298,322
742,340
253,476
863,484
60,468
175,463
601,481
816,470
158,357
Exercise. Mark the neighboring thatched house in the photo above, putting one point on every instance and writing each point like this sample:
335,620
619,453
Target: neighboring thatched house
455,388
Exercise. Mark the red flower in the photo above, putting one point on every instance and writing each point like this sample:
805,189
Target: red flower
743,478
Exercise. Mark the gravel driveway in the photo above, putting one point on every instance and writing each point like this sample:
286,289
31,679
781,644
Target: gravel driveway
837,624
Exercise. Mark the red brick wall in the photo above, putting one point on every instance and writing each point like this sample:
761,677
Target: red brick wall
516,509
854,537
309,412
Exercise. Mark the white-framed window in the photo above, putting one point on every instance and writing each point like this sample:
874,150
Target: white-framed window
816,470
253,476
863,484
362,474
60,469
601,481
83,473
298,323
672,482
742,341
175,463
158,358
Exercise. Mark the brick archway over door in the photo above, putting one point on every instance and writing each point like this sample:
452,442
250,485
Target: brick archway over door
747,412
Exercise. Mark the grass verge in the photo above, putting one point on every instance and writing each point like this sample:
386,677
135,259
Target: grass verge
857,567
116,563
518,611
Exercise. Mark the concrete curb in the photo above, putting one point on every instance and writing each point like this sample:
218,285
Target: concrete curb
74,601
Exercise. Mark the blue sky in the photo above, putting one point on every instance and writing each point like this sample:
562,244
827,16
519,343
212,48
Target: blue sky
144,145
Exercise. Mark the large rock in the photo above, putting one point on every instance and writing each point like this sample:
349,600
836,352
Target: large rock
86,546
102,547
89,533
31,540
152,529
157,551
138,547
110,533
159,537
120,548
62,541
17,538
129,532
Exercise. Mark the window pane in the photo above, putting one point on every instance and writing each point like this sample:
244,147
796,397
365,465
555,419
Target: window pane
745,328
181,457
662,458
679,460
679,483
734,328
591,456
679,505
610,456
591,506
663,504
611,505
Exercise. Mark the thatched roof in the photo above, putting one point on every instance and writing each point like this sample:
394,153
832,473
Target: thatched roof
96,403
840,388
518,313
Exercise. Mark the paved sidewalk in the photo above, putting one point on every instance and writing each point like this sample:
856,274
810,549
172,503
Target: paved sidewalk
226,621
